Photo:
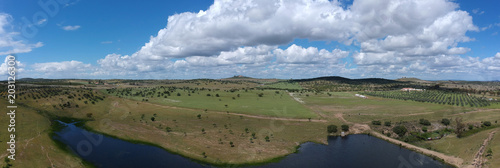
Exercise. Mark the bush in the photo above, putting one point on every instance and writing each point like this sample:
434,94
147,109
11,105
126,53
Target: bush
387,123
445,121
332,129
376,122
424,129
471,127
487,123
425,122
345,128
400,130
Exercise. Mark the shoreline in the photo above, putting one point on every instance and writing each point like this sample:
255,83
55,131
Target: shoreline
449,160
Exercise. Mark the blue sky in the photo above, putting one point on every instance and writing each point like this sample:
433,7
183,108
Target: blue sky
434,39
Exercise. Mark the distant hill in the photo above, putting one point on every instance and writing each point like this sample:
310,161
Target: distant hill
240,77
351,81
412,80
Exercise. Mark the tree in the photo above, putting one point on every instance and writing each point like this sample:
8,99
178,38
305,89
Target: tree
89,115
445,121
425,122
460,126
424,129
345,128
332,129
267,138
231,143
246,130
374,122
199,116
203,130
487,123
400,130
168,129
260,94
387,123
152,118
217,95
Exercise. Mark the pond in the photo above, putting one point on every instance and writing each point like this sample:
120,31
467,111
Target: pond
349,151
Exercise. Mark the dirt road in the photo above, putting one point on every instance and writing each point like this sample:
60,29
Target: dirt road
448,159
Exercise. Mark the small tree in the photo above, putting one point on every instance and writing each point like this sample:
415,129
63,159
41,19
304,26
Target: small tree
332,129
267,138
460,126
204,155
424,129
199,116
400,130
445,121
487,123
168,129
253,135
231,143
89,115
376,122
425,122
345,128
203,130
387,123
246,130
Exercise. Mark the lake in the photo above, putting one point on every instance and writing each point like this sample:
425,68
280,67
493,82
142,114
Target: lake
350,151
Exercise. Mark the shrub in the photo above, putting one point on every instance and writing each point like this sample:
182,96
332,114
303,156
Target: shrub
345,128
376,122
471,127
387,123
168,129
332,129
487,123
199,116
425,122
424,129
400,130
445,121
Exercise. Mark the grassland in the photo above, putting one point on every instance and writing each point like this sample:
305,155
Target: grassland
195,116
270,103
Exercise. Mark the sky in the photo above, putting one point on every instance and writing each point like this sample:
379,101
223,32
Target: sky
90,39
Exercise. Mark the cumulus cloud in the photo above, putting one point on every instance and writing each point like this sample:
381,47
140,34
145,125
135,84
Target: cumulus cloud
71,28
58,67
9,40
227,25
299,55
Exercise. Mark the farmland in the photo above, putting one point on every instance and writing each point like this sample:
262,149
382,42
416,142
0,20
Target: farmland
240,121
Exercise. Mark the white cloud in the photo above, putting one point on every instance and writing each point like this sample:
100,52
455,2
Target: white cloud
9,40
4,67
71,28
299,55
58,67
41,21
106,42
477,11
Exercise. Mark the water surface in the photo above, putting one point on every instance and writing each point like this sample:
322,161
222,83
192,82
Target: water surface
352,151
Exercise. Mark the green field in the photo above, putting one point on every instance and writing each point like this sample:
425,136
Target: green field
271,103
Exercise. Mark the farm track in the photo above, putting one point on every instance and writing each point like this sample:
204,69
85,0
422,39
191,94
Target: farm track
478,158
448,159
